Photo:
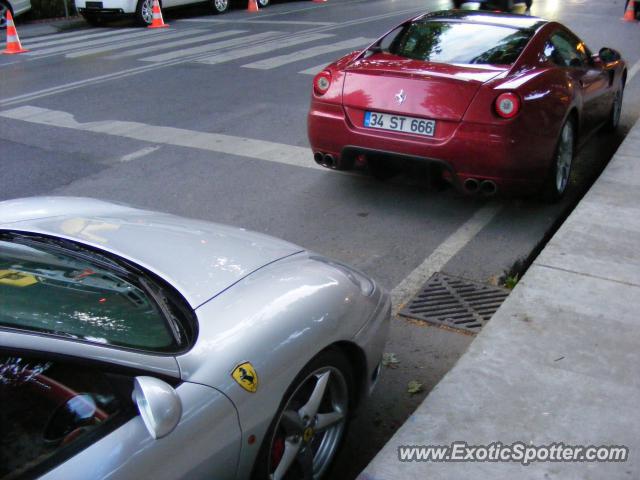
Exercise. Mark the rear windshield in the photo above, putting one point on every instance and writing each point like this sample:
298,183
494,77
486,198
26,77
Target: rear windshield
459,42
63,289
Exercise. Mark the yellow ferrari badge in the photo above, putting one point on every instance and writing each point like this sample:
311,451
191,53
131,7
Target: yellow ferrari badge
246,376
16,279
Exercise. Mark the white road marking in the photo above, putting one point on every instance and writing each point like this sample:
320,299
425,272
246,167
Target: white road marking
633,70
131,43
281,60
269,22
39,38
139,153
102,41
234,42
128,72
170,44
442,254
78,38
263,48
214,142
314,70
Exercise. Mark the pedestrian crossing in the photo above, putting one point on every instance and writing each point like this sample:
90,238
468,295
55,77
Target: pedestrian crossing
206,43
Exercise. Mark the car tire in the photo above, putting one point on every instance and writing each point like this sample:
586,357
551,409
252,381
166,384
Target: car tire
326,385
557,181
263,3
4,8
144,12
92,19
616,109
220,6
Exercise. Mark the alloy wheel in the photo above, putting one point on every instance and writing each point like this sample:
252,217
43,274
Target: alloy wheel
308,432
3,15
221,5
263,3
146,11
564,157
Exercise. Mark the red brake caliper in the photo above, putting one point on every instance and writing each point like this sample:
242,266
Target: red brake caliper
277,450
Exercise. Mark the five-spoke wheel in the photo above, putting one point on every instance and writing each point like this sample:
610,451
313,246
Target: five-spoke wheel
307,431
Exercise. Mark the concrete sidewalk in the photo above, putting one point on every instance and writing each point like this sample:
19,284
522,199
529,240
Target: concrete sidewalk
36,28
559,362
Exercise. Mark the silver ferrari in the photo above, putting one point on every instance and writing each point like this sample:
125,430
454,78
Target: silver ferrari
137,344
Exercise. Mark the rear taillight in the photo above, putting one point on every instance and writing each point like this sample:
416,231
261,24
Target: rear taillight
322,82
507,105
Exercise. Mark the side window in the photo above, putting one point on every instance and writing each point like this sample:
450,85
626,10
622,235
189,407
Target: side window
52,409
565,50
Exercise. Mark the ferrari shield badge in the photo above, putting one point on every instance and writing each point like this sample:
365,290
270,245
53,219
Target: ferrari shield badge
246,376
16,279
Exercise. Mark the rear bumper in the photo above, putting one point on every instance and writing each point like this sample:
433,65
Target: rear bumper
514,159
113,7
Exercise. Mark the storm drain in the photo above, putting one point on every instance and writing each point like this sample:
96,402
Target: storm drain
455,302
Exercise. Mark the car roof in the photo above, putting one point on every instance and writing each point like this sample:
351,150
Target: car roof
485,17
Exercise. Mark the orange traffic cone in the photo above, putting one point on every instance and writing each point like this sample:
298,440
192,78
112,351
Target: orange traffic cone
157,21
252,6
13,42
630,12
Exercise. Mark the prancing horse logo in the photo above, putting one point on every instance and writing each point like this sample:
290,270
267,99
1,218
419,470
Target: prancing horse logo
246,377
401,97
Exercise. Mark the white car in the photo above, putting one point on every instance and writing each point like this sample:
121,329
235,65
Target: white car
17,7
94,12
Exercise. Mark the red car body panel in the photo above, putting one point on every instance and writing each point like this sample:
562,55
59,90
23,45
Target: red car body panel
470,140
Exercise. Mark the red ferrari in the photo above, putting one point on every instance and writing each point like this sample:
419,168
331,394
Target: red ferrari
497,102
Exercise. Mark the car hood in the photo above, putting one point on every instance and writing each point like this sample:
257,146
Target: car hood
200,259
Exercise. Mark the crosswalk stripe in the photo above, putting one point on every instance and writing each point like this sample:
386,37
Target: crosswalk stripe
131,43
215,142
263,48
281,60
268,22
42,38
81,38
314,70
101,41
169,44
163,57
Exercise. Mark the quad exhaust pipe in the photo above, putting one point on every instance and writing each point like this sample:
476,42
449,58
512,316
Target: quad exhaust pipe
485,187
325,159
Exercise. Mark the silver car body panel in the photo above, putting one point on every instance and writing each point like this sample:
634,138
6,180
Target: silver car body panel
212,257
281,306
204,445
298,307
162,365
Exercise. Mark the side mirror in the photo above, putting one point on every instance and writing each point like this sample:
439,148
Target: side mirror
159,405
608,55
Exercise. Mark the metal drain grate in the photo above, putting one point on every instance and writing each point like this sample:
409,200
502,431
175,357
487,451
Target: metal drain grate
455,302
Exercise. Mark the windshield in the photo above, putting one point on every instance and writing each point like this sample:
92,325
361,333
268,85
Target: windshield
49,288
460,43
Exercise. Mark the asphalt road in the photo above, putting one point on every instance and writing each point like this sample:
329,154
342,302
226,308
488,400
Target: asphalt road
100,113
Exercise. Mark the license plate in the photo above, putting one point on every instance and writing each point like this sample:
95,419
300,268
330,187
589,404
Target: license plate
400,123
93,5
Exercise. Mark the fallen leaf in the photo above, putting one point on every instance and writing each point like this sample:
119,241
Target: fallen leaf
414,387
390,360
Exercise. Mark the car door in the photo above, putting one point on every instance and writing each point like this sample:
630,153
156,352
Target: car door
66,417
570,53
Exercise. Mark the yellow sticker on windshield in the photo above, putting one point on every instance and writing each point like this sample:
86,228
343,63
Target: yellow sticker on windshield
16,279
246,377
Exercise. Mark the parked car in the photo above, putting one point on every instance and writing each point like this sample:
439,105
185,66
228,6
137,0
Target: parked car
136,344
97,12
17,7
496,101
501,5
